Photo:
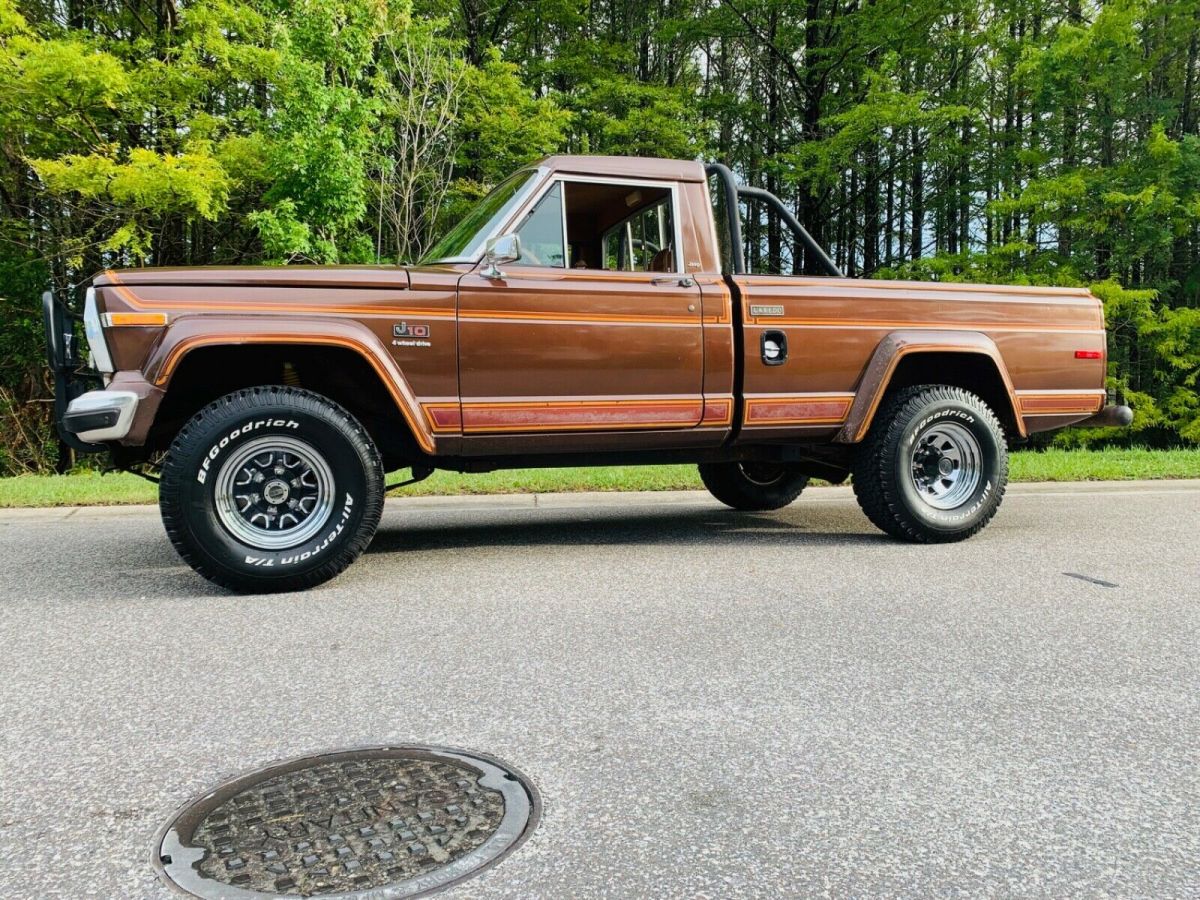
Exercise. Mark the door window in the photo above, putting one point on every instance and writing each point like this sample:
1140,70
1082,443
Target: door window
541,234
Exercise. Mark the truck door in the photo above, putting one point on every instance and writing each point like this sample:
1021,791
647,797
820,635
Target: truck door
593,338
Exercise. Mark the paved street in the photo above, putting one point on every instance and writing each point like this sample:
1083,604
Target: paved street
712,704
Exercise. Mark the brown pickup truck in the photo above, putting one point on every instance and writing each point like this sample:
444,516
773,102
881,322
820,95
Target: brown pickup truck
590,310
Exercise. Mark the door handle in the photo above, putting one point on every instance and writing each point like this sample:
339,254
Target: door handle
682,281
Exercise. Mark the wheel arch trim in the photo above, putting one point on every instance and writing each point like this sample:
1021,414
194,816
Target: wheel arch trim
191,333
898,345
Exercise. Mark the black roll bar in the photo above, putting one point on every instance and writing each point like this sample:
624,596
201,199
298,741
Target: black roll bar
737,253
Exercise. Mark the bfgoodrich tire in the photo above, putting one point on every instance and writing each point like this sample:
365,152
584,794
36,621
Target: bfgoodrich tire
934,467
271,489
754,487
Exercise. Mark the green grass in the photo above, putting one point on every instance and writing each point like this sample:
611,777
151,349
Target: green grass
1114,464
91,489
76,489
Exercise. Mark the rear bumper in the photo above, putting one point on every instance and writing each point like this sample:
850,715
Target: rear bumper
1110,417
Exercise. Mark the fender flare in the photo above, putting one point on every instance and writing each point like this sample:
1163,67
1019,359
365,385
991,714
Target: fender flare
899,344
191,332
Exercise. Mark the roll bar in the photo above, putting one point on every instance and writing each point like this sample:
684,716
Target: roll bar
737,253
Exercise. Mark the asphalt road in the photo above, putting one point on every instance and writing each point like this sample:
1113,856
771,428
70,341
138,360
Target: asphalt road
712,704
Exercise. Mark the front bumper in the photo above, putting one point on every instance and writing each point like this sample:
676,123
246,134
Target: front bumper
99,416
93,413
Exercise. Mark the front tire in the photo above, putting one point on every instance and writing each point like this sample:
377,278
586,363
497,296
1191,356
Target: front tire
271,489
753,487
934,467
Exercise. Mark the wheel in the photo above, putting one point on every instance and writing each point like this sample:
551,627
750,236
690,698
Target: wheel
271,489
934,467
753,486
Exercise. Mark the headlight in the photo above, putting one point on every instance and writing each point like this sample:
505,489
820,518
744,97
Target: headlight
95,335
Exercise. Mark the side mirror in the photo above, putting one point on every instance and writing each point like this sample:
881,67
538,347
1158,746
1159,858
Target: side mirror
503,249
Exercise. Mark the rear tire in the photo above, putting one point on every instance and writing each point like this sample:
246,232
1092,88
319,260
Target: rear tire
934,467
753,487
271,489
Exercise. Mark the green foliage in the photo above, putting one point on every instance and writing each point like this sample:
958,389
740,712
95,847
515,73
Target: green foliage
192,183
284,236
624,117
324,127
1174,341
506,126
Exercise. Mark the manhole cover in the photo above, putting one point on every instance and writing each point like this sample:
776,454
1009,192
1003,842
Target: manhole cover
383,822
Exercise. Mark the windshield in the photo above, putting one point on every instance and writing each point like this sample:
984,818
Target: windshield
465,240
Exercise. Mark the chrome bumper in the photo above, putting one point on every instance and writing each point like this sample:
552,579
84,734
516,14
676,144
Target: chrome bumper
99,416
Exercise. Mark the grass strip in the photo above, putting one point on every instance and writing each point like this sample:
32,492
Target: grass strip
88,488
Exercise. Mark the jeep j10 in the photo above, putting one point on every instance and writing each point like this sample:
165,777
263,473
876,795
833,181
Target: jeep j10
581,314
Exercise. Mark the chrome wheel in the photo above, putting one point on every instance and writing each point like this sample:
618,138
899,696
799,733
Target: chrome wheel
274,493
946,465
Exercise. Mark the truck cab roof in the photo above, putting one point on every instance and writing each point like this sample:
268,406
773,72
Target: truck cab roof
626,167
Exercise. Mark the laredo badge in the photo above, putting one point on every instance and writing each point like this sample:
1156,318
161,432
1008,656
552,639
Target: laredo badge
405,335
757,311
